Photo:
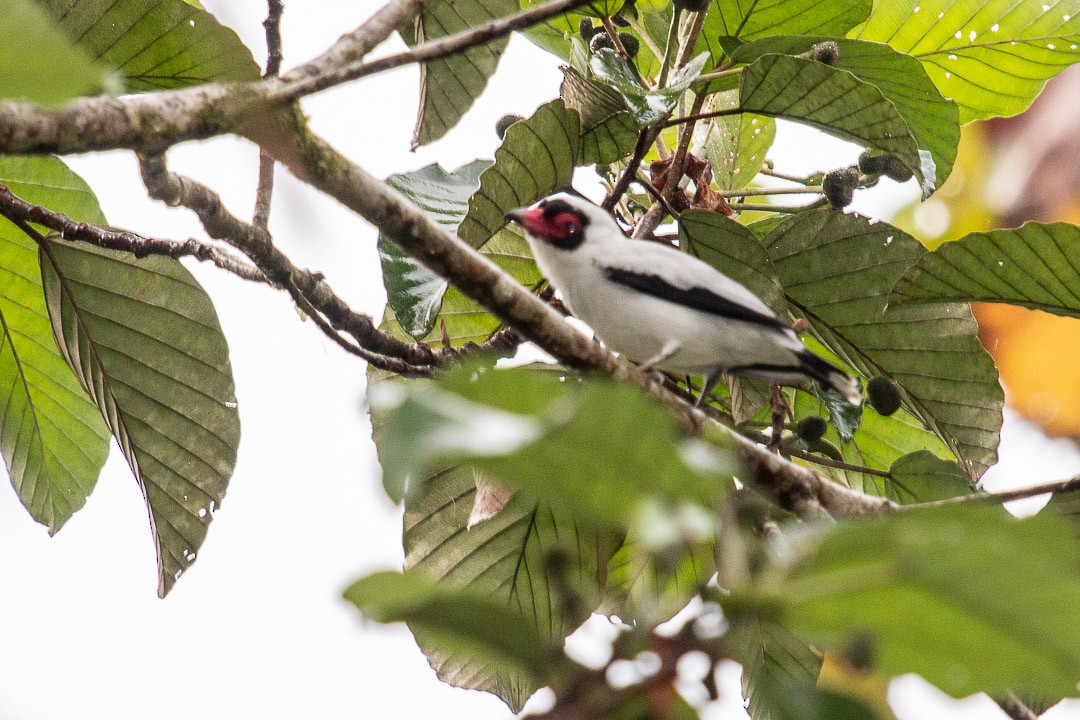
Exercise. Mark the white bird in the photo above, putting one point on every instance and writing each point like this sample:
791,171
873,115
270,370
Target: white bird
662,308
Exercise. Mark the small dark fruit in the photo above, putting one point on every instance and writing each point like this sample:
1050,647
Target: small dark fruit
586,29
600,41
619,21
883,395
873,163
504,122
692,5
839,186
827,52
811,428
630,44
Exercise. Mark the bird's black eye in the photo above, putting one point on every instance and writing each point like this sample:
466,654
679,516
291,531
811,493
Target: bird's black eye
567,224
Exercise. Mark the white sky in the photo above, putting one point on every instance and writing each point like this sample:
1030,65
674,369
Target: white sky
257,627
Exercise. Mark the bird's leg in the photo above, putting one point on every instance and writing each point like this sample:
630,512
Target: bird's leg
706,389
780,412
666,353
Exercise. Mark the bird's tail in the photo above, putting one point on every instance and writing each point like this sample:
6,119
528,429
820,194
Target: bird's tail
831,377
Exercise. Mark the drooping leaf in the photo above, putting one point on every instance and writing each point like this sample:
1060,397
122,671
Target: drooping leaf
39,63
413,292
924,477
51,435
608,132
749,19
535,562
1036,266
536,158
837,270
646,106
780,674
932,120
154,44
835,101
144,340
470,621
736,145
449,86
991,57
957,595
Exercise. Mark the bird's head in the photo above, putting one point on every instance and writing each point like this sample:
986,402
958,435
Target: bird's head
560,219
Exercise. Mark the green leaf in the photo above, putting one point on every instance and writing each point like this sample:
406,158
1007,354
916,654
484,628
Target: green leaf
646,106
957,595
736,145
536,431
470,621
837,270
413,292
155,44
608,132
924,477
991,56
144,340
734,250
932,120
466,321
536,158
878,444
835,101
533,561
656,583
775,662
845,416
1036,266
449,86
749,19
38,63
52,437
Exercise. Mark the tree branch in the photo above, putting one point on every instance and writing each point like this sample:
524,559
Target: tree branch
18,210
338,72
796,488
309,290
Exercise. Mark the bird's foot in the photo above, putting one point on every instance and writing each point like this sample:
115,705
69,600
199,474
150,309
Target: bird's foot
780,412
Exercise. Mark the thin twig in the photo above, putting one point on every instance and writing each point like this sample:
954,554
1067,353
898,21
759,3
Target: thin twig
336,74
645,139
837,464
16,209
272,25
694,117
657,195
670,46
1051,488
753,192
1016,708
814,179
265,191
745,207
306,288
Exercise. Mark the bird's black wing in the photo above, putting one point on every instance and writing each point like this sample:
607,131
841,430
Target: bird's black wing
696,298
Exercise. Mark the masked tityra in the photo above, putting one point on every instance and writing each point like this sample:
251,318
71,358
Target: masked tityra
663,308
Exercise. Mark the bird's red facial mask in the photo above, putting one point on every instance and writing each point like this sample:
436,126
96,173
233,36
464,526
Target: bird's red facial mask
554,221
